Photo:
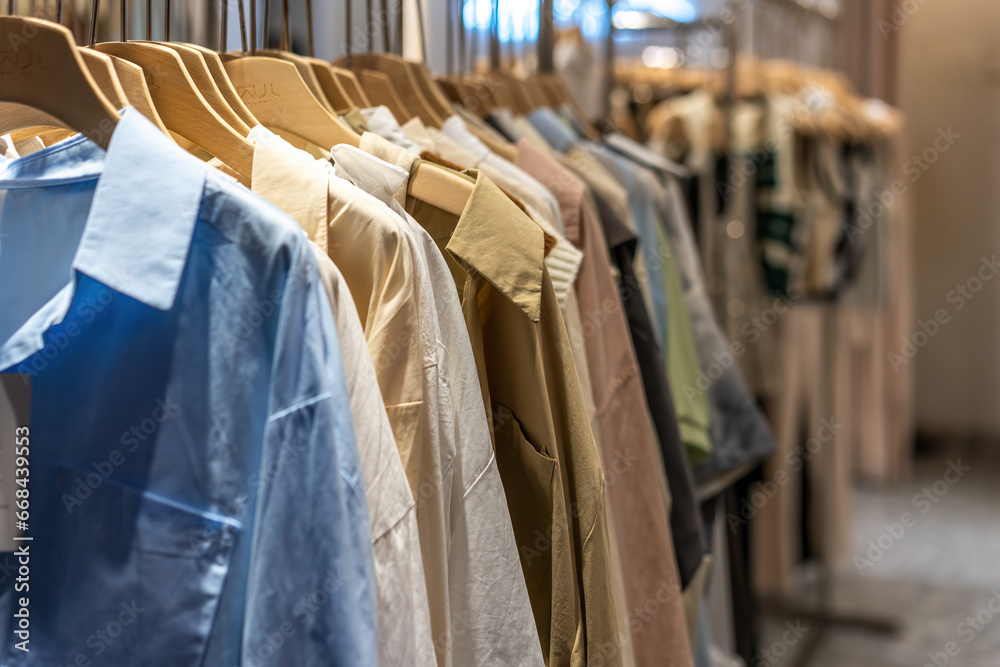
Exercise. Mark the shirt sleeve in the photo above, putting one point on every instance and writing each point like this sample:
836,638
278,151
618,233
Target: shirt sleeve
310,597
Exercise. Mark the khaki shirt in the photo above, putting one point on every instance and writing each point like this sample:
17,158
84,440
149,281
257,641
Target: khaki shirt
634,477
548,460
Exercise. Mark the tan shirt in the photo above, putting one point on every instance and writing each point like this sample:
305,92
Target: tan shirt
545,450
634,476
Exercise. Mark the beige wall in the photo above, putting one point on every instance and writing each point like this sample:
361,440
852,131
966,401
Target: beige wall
950,77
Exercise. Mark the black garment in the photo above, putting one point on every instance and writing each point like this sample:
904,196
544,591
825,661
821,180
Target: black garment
690,545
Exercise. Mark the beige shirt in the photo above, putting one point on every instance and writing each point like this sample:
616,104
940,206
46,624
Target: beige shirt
545,450
634,472
296,183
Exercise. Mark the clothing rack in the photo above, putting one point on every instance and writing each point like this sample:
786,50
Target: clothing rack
822,614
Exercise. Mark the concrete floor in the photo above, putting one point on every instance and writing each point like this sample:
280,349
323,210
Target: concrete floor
939,576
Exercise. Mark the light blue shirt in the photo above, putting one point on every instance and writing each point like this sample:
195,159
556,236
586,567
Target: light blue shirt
196,495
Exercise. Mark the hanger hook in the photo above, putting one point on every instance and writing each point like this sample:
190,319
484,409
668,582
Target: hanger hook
93,22
460,9
386,25
449,29
243,26
285,36
309,29
420,25
123,37
223,24
368,20
253,27
265,30
350,32
166,20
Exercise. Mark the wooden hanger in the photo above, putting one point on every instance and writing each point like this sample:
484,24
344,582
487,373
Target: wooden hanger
99,66
349,82
335,98
497,89
218,73
534,94
183,108
215,67
197,66
522,102
329,81
331,86
308,75
466,95
380,91
52,78
276,94
134,84
438,101
440,187
402,81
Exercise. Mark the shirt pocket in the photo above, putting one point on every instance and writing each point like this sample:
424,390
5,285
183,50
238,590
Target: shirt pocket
529,476
127,578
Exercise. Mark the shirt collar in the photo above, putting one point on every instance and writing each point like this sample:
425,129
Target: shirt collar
144,210
292,180
376,177
490,222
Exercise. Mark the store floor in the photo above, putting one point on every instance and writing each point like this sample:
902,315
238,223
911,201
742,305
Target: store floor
939,577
